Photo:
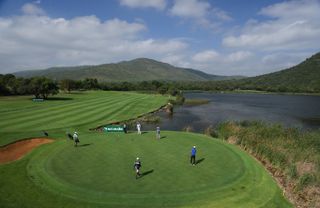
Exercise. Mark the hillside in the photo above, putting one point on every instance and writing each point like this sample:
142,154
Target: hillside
141,69
304,77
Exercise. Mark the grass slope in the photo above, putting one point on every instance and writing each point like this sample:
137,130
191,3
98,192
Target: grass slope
100,174
136,70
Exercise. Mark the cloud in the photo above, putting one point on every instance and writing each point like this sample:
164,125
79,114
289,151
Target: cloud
190,8
157,4
201,12
238,56
33,42
294,25
206,56
32,9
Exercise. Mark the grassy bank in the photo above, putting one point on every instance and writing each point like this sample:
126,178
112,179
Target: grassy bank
290,155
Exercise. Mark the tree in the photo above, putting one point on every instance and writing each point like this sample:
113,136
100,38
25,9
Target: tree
90,83
67,84
162,90
42,87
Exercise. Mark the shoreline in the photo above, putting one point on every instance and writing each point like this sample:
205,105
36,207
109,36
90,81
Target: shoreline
252,92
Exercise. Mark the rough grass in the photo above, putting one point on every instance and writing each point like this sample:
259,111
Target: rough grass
293,155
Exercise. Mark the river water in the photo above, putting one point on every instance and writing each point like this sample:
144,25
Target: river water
300,111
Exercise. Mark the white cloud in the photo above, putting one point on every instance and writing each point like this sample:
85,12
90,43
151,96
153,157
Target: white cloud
294,25
238,56
190,8
32,9
180,60
201,12
32,42
206,56
157,4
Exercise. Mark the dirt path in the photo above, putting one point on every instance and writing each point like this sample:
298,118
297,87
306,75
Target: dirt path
18,149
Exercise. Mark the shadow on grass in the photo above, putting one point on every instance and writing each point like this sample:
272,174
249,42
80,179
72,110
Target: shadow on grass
84,145
58,98
200,161
163,137
146,173
135,132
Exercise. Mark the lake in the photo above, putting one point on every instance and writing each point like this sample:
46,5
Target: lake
300,111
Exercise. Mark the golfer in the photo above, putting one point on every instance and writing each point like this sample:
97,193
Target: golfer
193,155
158,132
137,166
125,128
75,139
139,128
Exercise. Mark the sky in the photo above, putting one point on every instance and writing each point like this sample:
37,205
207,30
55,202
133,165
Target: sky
221,37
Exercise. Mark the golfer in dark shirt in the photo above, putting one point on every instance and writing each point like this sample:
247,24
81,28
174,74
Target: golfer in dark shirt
137,166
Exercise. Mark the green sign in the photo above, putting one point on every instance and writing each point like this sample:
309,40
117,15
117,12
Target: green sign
37,100
113,128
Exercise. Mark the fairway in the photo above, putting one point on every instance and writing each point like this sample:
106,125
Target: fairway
99,173
22,118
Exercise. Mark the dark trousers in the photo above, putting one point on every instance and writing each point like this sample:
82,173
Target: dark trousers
193,159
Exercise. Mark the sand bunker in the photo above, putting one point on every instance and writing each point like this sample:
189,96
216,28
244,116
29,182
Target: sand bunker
18,149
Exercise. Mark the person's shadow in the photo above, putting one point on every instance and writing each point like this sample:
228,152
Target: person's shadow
200,161
84,145
146,173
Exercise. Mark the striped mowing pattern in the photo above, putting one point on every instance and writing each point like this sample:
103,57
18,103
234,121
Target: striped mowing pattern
89,109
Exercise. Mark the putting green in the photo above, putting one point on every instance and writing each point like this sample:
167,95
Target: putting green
100,172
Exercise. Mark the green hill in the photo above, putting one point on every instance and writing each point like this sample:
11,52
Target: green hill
304,77
141,69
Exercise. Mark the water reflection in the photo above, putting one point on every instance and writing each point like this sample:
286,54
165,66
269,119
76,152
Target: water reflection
289,110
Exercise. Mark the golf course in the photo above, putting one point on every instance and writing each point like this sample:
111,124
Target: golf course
99,171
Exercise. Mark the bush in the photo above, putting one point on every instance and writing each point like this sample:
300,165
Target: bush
292,171
210,131
179,99
188,129
305,180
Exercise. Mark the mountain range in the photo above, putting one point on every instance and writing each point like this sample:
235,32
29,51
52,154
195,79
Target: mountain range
141,69
304,77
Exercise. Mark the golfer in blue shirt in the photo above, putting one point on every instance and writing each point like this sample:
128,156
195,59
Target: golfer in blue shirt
193,155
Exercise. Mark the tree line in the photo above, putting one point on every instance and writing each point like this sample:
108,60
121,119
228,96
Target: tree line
42,87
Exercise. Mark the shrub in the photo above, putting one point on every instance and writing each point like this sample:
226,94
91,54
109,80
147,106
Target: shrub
188,129
292,171
210,131
305,180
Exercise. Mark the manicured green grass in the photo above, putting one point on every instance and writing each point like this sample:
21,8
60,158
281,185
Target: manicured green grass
22,118
99,173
